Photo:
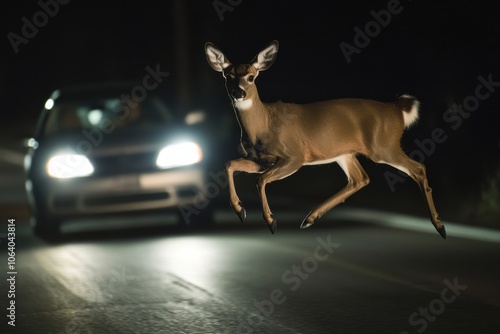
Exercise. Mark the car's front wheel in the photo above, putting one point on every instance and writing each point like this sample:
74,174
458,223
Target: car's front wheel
203,218
46,227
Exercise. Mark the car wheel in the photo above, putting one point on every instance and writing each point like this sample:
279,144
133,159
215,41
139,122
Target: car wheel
46,227
202,219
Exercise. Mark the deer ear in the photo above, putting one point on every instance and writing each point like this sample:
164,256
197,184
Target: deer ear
216,58
266,57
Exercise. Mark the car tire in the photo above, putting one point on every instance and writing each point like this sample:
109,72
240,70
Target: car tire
203,219
46,228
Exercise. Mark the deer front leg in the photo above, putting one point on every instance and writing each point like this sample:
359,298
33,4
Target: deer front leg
239,165
280,170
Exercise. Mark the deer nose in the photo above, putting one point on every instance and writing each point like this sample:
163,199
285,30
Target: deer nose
238,93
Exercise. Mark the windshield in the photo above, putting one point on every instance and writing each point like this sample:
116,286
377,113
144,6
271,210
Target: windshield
106,113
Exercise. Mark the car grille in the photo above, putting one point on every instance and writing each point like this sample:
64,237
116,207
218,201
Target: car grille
125,164
93,201
65,203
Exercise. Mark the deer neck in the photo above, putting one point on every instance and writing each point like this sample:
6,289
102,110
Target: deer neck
252,116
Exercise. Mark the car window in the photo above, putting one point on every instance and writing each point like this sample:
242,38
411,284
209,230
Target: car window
101,113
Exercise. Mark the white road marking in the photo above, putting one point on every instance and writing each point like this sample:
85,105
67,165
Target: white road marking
417,224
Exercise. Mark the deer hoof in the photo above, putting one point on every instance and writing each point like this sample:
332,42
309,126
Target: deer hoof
273,226
442,232
306,223
242,214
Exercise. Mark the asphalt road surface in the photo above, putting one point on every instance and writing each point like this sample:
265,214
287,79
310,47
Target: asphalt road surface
350,273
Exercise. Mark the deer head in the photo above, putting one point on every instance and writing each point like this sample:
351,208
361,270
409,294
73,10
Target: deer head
240,79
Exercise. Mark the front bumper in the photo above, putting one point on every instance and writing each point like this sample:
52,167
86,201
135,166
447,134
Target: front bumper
124,193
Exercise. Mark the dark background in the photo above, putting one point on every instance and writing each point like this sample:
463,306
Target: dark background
433,50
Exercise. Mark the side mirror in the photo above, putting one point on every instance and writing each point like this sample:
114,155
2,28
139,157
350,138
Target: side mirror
30,142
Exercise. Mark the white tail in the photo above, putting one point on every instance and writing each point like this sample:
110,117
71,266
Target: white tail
279,138
410,113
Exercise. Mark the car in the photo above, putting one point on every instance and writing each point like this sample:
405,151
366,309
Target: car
115,148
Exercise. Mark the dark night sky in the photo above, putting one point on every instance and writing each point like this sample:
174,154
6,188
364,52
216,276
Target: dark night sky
434,50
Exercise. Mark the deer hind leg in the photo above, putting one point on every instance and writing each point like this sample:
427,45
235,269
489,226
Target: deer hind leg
239,165
418,173
280,170
356,179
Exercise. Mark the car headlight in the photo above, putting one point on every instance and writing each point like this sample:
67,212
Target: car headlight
69,165
180,154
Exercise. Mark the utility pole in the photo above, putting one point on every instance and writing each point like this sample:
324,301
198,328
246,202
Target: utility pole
181,45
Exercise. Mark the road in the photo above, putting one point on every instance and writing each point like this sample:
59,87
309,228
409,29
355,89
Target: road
349,273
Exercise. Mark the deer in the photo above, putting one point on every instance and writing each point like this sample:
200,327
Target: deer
278,138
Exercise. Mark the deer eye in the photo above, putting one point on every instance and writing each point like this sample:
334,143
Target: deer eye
251,78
